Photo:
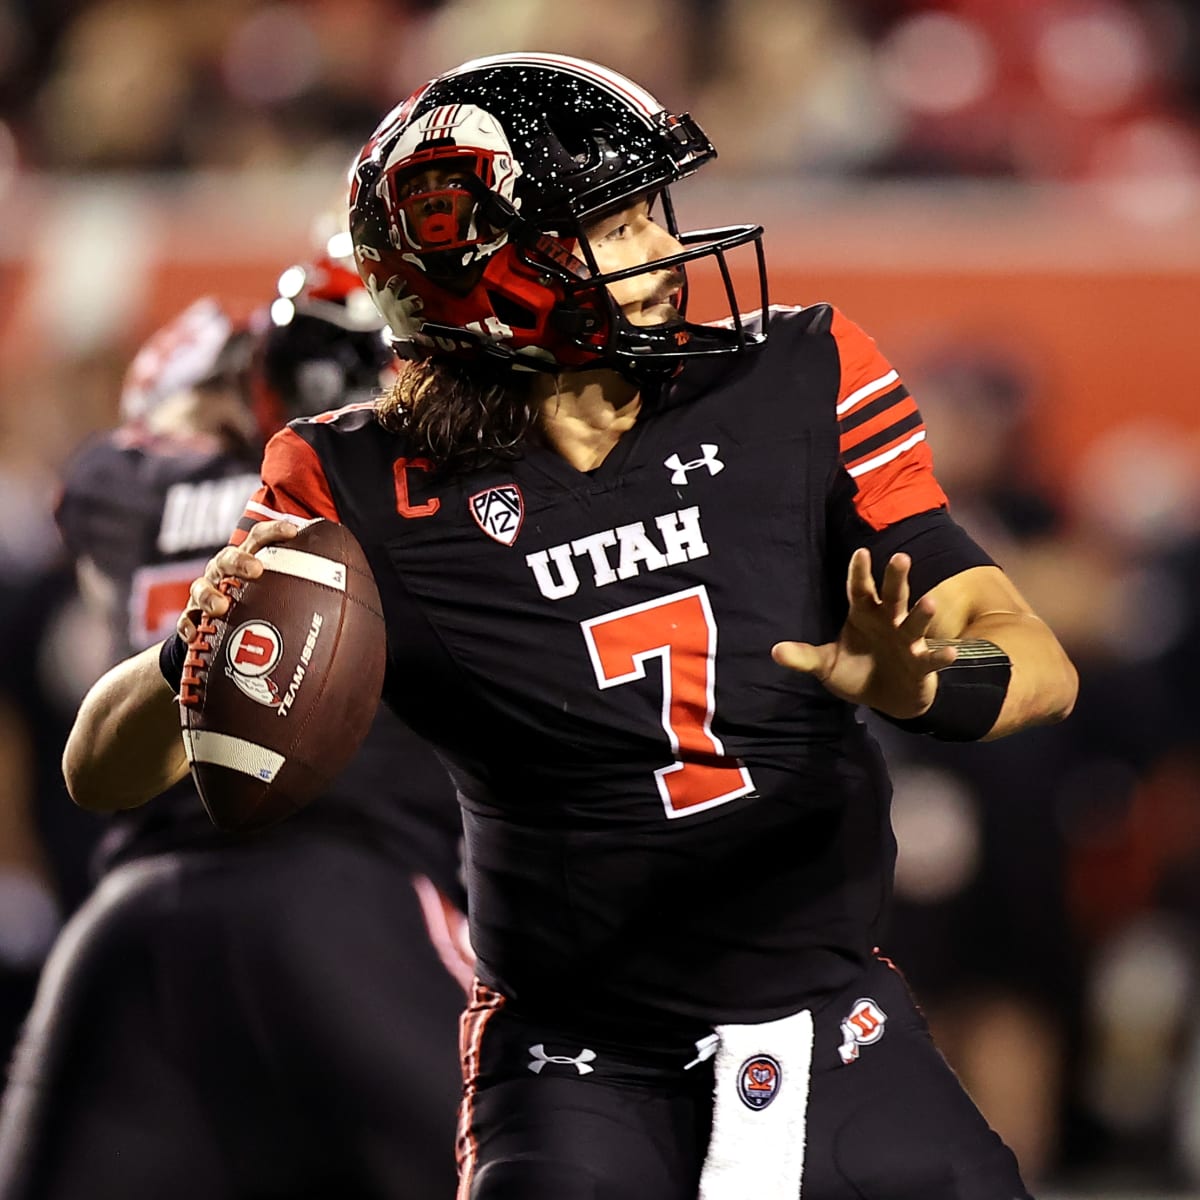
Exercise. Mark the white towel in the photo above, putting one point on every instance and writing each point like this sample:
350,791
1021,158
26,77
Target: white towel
760,1106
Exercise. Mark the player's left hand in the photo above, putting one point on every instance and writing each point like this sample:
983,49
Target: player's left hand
881,658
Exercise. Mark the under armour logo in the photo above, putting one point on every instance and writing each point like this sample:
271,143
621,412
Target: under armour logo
539,1058
679,468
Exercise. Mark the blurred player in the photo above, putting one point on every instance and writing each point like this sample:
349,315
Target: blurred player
597,526
264,1016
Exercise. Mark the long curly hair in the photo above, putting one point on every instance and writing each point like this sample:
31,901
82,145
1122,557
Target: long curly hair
461,415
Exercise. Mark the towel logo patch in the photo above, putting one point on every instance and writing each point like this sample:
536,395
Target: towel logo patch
759,1080
862,1027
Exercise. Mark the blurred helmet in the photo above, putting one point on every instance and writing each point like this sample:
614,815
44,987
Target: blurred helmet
322,344
467,207
202,346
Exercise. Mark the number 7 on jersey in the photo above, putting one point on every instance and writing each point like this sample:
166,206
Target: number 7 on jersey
679,631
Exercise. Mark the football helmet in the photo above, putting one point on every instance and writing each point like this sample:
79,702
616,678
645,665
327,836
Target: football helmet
321,344
201,346
467,213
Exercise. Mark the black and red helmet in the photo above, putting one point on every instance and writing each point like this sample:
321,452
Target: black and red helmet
321,344
467,206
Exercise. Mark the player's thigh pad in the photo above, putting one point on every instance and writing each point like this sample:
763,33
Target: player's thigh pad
887,1118
580,1139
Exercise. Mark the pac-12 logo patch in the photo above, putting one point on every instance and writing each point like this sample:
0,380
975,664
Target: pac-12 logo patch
252,651
758,1081
862,1027
499,511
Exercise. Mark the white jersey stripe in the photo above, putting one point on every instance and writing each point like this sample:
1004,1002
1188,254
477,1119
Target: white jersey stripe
887,455
302,565
237,754
274,514
869,389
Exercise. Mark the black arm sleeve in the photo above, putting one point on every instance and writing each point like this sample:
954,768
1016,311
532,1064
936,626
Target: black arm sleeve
938,546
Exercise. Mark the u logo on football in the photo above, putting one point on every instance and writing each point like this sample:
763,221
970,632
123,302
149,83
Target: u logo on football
758,1081
254,648
251,653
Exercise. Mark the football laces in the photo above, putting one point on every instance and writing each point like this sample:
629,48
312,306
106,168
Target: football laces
200,648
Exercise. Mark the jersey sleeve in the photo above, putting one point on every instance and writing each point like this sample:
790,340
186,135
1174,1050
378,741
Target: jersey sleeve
881,436
294,486
938,546
885,495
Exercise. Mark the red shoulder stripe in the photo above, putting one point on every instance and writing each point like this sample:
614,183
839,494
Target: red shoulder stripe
881,434
865,371
293,487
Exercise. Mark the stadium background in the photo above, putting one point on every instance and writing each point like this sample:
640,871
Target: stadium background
1006,193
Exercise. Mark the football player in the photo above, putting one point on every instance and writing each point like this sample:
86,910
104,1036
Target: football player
235,1017
639,573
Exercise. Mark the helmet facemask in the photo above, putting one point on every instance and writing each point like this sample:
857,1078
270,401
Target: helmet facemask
659,348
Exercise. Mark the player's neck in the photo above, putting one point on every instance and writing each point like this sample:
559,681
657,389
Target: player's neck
585,414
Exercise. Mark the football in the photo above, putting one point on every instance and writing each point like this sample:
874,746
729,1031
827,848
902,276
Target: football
278,694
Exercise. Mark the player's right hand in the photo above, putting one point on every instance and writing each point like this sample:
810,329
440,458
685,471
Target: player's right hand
204,597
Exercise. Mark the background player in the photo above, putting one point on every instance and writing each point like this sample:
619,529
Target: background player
677,847
258,1016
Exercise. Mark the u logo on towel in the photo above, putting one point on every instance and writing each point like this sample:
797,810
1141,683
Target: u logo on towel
758,1081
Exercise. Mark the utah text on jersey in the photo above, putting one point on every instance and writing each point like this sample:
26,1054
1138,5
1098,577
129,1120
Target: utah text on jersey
679,540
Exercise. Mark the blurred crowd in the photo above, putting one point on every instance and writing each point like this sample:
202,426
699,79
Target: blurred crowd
1037,89
1049,885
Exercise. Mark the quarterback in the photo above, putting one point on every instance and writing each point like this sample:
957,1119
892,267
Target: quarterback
639,573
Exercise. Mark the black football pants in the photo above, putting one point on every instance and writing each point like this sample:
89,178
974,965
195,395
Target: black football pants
892,1123
263,1022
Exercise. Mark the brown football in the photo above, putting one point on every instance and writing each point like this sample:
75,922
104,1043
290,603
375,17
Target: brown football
279,693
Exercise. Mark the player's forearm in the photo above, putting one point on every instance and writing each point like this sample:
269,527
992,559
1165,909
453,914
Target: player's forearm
125,746
1043,684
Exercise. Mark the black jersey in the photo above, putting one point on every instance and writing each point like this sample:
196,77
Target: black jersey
147,512
659,819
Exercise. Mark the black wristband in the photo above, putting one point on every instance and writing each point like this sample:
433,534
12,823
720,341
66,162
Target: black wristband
970,694
170,661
